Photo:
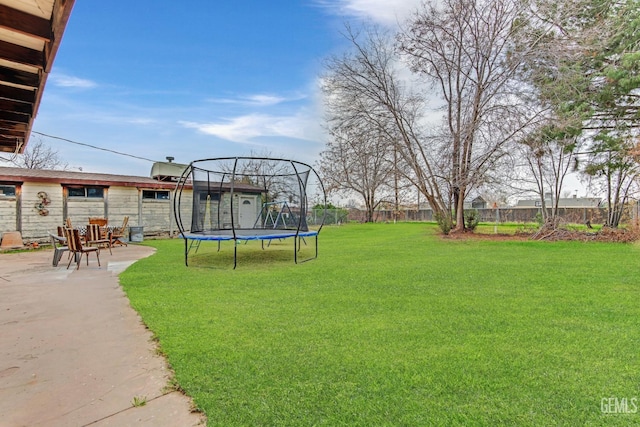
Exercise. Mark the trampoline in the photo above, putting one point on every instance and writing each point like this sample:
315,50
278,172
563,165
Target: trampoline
241,199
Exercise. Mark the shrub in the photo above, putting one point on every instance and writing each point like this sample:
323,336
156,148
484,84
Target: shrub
539,219
444,222
471,219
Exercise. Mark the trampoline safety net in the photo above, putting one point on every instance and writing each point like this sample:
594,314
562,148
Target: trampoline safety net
247,198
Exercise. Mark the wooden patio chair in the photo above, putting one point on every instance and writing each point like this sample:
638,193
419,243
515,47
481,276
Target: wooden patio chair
95,237
118,233
67,224
59,247
102,222
75,246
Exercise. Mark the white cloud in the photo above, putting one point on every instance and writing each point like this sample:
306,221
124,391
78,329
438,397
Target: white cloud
247,127
141,121
387,12
63,80
265,99
258,100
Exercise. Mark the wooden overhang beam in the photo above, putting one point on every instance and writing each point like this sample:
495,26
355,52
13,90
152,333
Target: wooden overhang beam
22,55
21,86
25,23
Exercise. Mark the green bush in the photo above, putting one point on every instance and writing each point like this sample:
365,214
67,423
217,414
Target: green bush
444,222
471,219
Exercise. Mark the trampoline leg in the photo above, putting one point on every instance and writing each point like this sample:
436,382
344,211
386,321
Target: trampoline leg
310,258
235,254
186,252
300,242
194,243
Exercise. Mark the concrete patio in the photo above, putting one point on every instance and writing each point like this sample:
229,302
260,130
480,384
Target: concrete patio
72,350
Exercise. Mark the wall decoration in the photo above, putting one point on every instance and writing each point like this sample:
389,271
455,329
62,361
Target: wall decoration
41,206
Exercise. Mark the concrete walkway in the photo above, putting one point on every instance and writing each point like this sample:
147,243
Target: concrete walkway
72,350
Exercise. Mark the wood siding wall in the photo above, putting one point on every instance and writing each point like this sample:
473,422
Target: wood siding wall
20,214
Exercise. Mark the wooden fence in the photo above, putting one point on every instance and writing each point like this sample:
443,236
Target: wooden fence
523,215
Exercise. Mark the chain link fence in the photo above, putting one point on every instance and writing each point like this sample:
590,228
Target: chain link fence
331,216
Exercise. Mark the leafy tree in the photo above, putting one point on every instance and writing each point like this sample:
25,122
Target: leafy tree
616,103
553,68
586,73
616,67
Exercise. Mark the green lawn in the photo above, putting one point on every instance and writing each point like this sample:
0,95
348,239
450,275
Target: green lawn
530,227
504,228
394,326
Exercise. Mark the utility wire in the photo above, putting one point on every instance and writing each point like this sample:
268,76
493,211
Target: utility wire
93,146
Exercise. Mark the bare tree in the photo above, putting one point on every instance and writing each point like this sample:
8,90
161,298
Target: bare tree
466,51
363,90
263,170
614,163
358,160
38,155
550,154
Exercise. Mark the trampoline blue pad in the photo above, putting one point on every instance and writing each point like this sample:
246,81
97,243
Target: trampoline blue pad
253,234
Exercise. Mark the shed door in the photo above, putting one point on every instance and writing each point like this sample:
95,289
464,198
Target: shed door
247,212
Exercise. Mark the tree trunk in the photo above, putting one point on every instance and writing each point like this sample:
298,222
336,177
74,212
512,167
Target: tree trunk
459,209
369,215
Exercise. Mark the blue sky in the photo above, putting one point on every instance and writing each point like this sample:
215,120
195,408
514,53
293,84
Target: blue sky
195,79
